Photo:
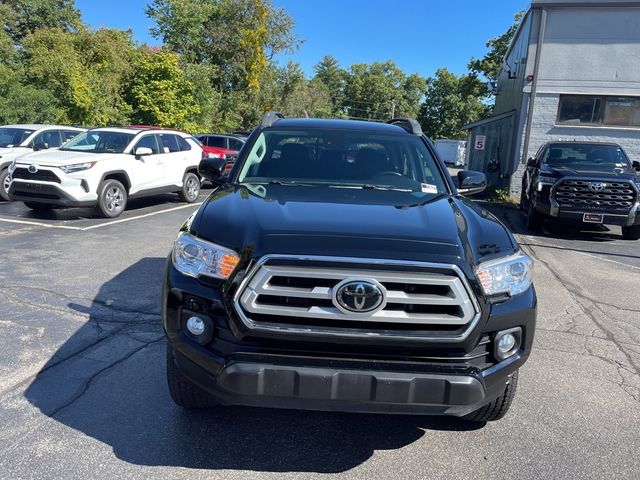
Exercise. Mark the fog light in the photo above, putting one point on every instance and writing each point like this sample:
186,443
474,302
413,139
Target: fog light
196,326
507,343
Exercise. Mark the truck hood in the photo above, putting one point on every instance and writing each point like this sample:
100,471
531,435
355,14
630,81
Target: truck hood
56,158
617,174
277,219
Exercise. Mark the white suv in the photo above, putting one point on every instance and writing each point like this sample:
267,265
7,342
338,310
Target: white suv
104,167
17,140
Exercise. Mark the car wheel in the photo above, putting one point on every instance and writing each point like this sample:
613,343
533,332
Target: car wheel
190,188
112,198
4,185
498,408
631,233
534,218
38,207
183,392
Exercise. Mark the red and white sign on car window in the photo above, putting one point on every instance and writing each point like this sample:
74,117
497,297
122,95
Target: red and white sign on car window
480,141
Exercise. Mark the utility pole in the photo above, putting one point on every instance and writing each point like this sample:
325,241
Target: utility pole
393,109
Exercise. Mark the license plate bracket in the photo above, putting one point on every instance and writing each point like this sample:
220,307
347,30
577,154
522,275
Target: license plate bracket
592,217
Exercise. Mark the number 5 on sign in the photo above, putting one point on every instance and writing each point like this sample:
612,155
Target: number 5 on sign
480,141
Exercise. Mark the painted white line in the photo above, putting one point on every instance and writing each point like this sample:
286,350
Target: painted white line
608,260
93,227
39,224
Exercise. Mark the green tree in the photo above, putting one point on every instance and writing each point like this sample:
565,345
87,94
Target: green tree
490,65
28,16
378,90
239,37
331,78
160,93
450,102
84,71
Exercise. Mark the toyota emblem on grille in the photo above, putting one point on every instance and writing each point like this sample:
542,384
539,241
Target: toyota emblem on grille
33,169
359,296
597,187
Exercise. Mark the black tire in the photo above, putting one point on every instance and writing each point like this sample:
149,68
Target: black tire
183,392
112,198
534,218
4,185
523,199
498,408
38,207
190,188
631,233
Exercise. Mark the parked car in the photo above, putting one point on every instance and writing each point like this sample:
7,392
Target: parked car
452,152
105,167
17,140
582,182
314,279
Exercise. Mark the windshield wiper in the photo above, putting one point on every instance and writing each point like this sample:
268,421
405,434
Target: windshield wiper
385,187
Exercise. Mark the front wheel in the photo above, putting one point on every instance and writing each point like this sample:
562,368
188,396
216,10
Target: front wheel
190,188
534,218
498,408
631,233
183,392
112,198
4,185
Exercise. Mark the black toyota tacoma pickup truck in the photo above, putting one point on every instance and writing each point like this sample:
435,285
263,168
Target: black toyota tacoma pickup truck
338,267
582,182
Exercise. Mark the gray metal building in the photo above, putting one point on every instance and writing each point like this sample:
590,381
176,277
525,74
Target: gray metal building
571,72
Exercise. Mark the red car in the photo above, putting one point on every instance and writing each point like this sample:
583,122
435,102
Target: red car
222,146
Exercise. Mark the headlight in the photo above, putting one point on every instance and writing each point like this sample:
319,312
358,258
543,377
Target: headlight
195,257
545,180
215,155
510,275
78,167
12,166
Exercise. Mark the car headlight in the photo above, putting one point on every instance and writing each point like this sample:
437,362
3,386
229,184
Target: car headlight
545,180
12,167
195,258
511,275
78,167
215,155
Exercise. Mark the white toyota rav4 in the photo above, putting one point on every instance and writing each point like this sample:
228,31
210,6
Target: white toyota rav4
18,140
104,167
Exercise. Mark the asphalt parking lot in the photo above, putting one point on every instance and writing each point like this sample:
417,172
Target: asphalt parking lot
82,380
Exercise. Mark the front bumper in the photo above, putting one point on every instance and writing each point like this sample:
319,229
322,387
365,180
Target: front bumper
437,378
48,193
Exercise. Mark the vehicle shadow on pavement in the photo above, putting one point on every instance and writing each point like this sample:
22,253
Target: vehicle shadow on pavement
108,382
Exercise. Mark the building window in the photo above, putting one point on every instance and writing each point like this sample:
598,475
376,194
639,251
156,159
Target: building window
599,110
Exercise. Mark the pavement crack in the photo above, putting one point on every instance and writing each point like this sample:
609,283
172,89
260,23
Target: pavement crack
87,385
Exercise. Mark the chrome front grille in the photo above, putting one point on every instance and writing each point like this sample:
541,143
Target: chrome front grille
300,297
577,194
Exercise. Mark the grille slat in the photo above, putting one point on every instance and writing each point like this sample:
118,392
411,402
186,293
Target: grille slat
572,193
282,295
40,175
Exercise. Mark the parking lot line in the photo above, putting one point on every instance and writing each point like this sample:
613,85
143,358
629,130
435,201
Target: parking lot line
92,227
39,224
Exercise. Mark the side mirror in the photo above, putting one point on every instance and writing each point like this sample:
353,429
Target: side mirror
40,146
143,151
471,182
213,169
636,165
532,162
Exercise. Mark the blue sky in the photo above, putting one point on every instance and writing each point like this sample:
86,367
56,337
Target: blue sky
419,35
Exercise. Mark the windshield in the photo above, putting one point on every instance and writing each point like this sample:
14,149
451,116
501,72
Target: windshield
586,157
13,137
99,142
349,159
